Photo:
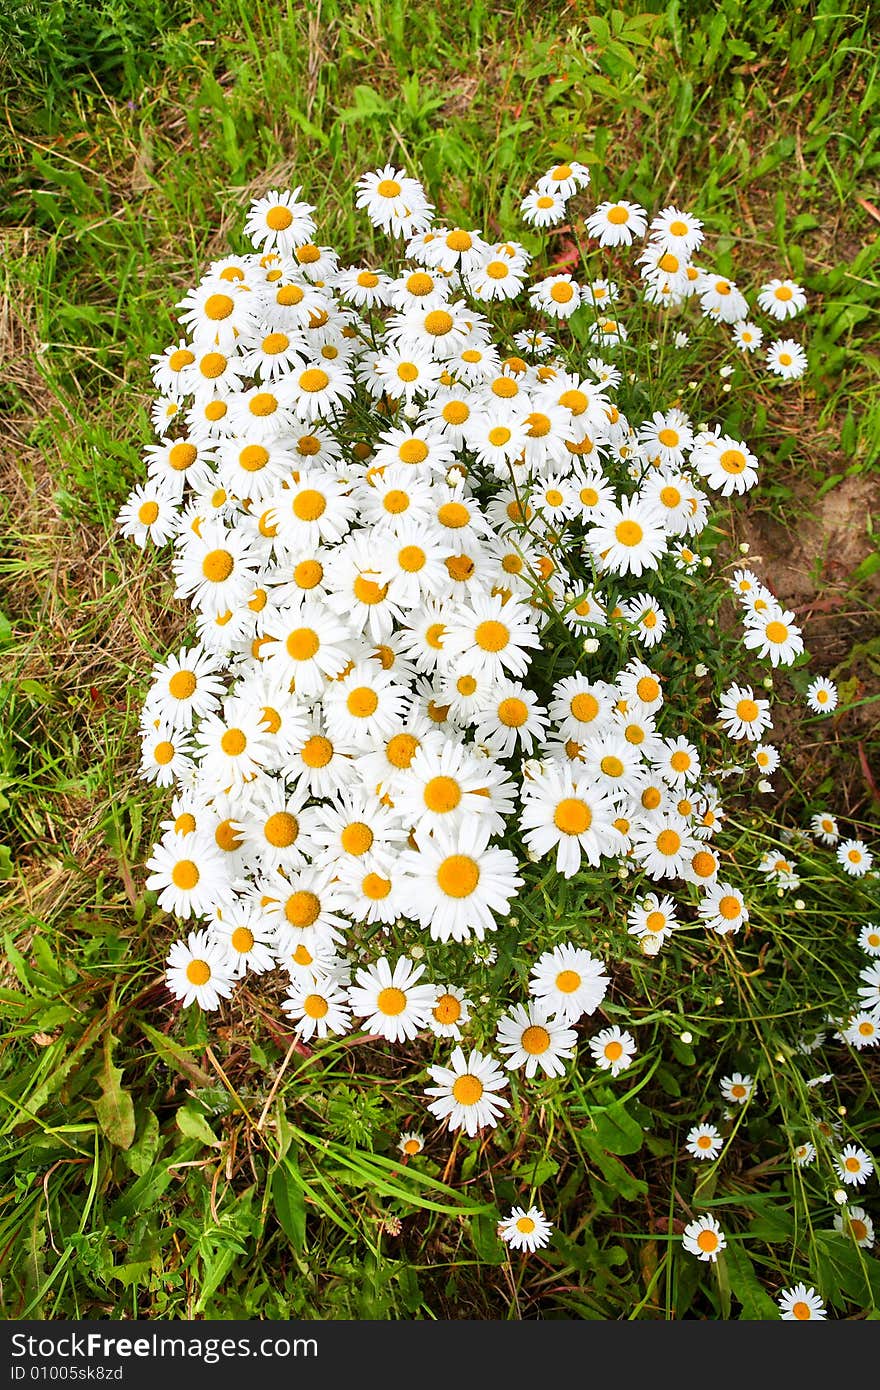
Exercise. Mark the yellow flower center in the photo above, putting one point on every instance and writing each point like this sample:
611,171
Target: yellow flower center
438,323
391,1001
376,887
611,766
147,513
413,451
309,504
535,1040
302,908
458,876
491,636
453,515
617,216
669,842
401,749
181,455
707,1241
613,1050
513,712
185,875
467,1089
302,644
281,829
198,972
313,379
572,816
567,981
628,532
447,1009
441,795
357,838
242,940
362,702
218,307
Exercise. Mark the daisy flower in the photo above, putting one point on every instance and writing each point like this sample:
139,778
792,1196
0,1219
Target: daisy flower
393,201
567,811
542,208
628,537
568,981
247,937
800,1304
188,874
742,715
825,828
774,635
704,1142
566,179
856,1222
854,857
663,844
394,1005
166,753
513,720
198,971
613,1049
704,1238
528,1037
727,465
677,231
869,992
821,695
766,757
410,1143
786,359
863,1030
185,687
318,1008
456,883
804,1154
653,919
617,224
557,295
468,1091
747,336
781,299
450,1012
525,1229
150,513
869,938
737,1088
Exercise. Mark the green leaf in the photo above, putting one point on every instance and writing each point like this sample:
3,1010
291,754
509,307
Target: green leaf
617,1131
141,1156
193,1125
115,1108
757,1305
290,1205
484,1234
176,1056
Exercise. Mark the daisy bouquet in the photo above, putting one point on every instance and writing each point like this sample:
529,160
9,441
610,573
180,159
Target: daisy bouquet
444,521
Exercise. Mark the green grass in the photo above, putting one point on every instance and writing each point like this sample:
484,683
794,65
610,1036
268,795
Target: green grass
154,1166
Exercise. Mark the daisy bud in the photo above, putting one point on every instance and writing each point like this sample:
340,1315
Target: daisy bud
765,786
707,562
411,411
725,371
417,952
718,1001
841,1109
687,1037
840,1196
744,548
726,386
650,946
591,645
768,682
799,904
701,669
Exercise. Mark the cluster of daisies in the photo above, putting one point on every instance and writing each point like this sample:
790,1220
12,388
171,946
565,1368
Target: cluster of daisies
419,551
669,273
